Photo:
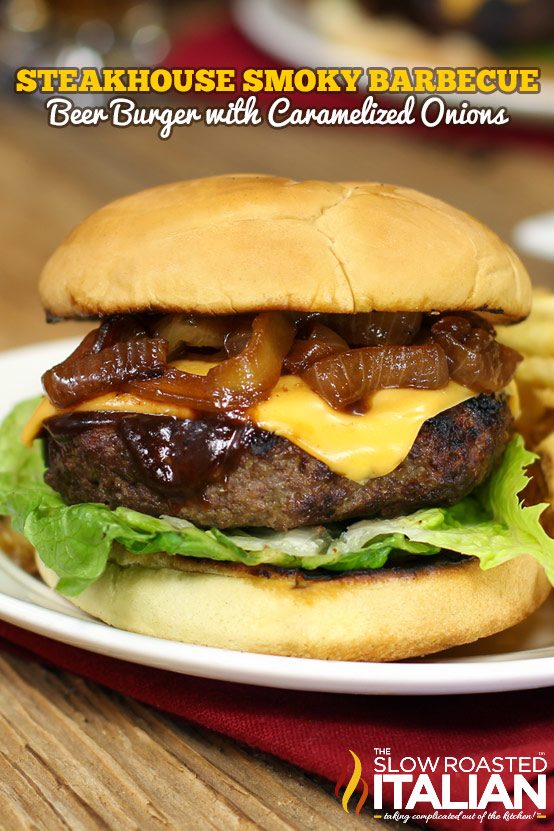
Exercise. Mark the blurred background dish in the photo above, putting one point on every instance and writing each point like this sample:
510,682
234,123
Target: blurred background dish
412,33
494,30
535,236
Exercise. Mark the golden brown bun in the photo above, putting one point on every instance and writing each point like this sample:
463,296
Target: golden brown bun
243,243
381,616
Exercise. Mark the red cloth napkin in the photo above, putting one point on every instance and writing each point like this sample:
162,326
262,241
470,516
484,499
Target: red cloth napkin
315,731
223,45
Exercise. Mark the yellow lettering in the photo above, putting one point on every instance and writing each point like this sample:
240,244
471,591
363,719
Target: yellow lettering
113,80
90,81
26,80
138,80
225,80
47,76
507,80
378,79
351,77
327,80
279,80
466,79
485,80
160,80
305,80
253,80
401,80
530,80
205,80
446,79
424,79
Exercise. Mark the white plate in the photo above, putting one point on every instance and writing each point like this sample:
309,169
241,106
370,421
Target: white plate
279,28
535,236
521,658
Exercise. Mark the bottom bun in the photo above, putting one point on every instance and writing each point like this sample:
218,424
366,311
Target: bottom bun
383,615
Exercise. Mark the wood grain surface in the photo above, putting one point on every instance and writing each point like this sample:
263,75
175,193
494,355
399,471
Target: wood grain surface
75,756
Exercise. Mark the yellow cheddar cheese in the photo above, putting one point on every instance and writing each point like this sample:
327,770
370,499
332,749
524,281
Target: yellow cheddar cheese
359,447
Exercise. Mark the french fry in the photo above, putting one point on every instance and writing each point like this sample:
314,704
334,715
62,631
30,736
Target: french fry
533,337
16,546
537,371
543,303
546,398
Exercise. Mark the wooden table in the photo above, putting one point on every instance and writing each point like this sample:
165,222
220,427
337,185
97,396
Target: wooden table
75,756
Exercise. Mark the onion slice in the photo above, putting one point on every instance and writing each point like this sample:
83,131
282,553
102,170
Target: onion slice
236,383
475,359
118,329
347,378
321,342
85,375
192,330
236,340
377,328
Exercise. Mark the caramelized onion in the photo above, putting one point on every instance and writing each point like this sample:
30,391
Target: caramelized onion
235,383
349,377
192,330
321,342
376,328
85,375
123,355
118,329
236,340
112,331
475,359
476,320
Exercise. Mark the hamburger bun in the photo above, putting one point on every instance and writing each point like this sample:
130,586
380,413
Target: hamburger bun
251,242
384,615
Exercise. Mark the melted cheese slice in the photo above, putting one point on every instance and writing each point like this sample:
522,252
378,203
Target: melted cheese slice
118,403
356,446
359,447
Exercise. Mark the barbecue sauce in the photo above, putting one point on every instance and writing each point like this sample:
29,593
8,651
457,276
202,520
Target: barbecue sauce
175,457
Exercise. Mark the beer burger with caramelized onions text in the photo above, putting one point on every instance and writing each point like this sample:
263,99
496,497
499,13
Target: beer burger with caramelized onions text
292,429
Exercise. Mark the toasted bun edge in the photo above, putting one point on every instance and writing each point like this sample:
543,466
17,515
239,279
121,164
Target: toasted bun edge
380,616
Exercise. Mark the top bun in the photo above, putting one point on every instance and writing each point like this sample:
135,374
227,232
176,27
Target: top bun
245,243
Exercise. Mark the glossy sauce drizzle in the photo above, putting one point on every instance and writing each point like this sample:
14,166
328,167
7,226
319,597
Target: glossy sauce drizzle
176,457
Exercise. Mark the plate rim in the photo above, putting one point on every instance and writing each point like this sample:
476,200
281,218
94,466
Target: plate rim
453,677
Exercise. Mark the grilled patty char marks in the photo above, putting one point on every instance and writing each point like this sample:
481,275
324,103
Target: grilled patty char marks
225,474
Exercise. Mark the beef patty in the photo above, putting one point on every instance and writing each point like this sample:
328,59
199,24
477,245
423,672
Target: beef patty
228,474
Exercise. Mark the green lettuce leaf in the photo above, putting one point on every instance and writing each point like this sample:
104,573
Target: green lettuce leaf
491,524
75,540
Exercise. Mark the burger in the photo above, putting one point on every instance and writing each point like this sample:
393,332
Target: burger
291,428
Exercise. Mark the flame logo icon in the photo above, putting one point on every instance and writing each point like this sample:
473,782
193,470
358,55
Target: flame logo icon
353,783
